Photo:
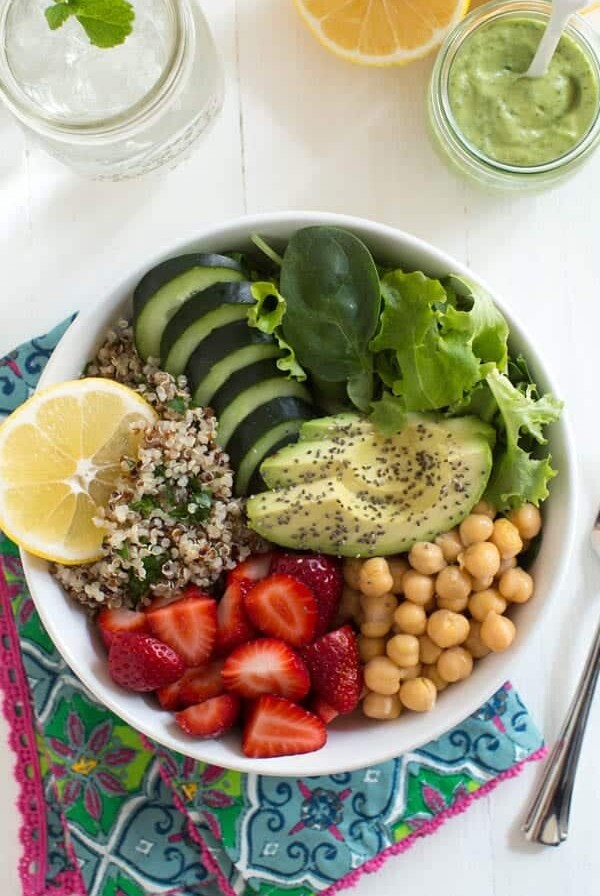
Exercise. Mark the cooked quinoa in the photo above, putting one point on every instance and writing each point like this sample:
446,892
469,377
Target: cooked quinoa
172,519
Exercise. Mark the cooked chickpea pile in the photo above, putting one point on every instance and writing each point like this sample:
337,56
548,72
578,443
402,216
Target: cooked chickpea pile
426,617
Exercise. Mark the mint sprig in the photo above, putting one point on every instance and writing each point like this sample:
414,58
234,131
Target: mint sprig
107,23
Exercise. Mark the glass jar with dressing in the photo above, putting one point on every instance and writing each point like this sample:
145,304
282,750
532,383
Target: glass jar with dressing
496,125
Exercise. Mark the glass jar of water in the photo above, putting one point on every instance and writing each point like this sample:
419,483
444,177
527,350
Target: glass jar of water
118,112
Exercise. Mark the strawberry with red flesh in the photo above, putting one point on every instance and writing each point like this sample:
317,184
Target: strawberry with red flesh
322,574
283,607
189,626
194,686
253,569
163,600
139,662
233,626
210,719
335,670
110,622
277,727
323,710
266,666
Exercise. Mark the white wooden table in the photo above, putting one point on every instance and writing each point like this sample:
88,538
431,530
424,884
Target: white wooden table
302,130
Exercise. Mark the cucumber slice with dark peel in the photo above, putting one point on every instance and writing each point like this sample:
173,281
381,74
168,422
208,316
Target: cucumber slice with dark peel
242,380
248,479
243,357
218,346
198,317
166,287
251,399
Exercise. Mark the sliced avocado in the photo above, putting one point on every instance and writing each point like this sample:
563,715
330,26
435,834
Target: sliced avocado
333,427
370,495
252,398
204,311
166,287
247,452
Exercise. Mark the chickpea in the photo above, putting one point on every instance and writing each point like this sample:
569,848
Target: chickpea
410,618
450,544
453,583
419,694
516,585
408,672
428,650
403,650
486,508
378,615
351,571
431,672
375,577
474,644
370,647
417,587
456,604
446,629
426,557
484,602
455,664
497,632
382,675
506,538
398,566
380,706
475,528
481,560
527,519
482,584
509,563
349,604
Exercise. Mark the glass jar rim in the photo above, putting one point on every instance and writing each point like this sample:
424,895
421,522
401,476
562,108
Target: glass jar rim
577,29
114,125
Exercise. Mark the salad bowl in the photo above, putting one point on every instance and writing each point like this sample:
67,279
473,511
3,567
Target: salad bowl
353,741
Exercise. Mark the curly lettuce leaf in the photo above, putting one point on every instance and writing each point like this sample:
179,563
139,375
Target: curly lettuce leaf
266,315
473,312
518,476
388,414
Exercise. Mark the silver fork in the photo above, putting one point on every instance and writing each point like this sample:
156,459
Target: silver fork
547,821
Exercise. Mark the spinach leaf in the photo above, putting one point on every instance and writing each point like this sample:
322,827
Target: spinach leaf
331,288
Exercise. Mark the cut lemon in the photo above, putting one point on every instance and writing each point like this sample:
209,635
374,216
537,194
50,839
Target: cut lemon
381,32
60,456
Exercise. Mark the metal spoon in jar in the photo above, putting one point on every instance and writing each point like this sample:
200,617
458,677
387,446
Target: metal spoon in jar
547,821
562,10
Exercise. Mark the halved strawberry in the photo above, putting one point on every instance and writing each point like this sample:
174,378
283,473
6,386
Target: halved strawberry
266,666
120,620
194,686
283,607
335,670
141,663
189,626
277,727
323,710
163,600
209,719
233,626
252,569
322,574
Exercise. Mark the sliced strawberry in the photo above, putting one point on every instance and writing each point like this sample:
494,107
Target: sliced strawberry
210,719
323,710
194,686
141,663
255,568
163,600
322,574
120,620
284,608
335,670
189,626
277,727
266,666
233,626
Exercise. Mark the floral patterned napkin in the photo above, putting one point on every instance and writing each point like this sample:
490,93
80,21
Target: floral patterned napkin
107,813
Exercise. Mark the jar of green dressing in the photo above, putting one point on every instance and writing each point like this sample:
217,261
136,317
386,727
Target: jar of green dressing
501,128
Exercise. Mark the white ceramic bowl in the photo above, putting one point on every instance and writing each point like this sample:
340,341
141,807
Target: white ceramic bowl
353,742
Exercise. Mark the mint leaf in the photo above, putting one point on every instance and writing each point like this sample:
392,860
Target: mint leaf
107,23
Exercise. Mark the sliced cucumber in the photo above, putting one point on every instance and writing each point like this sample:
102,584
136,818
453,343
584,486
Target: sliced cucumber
196,318
241,381
278,437
252,398
219,345
166,287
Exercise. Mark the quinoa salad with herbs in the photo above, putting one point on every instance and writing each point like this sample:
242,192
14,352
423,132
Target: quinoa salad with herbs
172,519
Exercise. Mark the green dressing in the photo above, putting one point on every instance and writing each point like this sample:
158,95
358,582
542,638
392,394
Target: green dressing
513,119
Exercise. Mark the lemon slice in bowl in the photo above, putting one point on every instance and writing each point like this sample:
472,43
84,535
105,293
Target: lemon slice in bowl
381,32
60,456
